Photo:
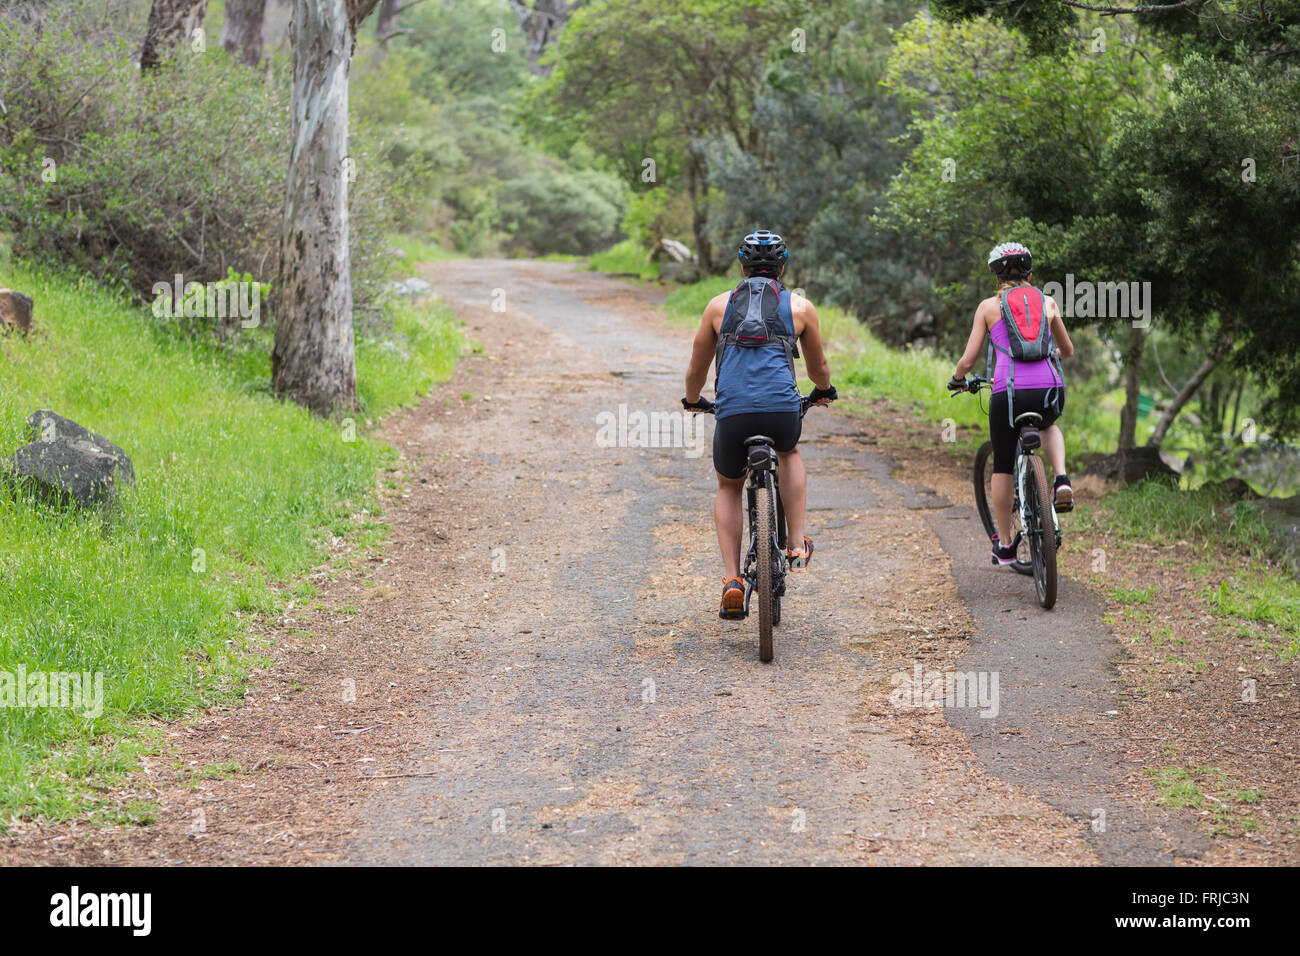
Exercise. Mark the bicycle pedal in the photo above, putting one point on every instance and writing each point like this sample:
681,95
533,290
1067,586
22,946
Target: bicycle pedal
1064,508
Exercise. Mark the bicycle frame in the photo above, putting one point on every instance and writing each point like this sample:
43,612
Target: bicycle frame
1022,499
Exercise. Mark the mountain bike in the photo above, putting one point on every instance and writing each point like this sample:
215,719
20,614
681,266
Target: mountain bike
1040,535
765,565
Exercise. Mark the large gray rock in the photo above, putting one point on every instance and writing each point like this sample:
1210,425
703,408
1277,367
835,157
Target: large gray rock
68,464
683,272
64,471
45,425
1282,515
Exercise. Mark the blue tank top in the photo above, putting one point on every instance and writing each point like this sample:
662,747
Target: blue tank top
758,379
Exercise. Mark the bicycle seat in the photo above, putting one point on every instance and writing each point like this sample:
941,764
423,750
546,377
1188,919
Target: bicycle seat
759,440
1029,420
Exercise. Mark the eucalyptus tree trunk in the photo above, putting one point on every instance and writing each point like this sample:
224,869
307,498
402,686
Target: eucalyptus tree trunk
241,32
697,186
314,359
386,21
170,22
1132,393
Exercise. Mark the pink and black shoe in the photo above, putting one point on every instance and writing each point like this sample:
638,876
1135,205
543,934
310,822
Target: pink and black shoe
1004,556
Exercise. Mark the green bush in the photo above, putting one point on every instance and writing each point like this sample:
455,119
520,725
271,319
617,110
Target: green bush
565,212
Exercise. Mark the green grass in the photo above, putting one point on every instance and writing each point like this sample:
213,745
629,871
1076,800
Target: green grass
1211,790
1176,788
415,249
1132,595
1152,510
626,256
419,349
235,490
1269,600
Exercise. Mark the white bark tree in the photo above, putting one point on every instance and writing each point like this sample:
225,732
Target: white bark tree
314,359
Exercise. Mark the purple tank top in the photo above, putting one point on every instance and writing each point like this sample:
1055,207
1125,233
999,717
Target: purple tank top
1039,374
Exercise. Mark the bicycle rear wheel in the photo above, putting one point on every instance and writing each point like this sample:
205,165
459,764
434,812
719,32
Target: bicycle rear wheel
782,531
763,516
1042,534
983,478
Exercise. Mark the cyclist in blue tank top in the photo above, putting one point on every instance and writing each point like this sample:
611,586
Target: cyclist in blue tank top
756,394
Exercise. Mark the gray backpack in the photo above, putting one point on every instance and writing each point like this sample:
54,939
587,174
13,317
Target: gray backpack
754,320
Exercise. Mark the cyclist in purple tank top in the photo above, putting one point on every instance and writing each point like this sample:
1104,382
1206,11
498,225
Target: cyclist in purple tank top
1037,385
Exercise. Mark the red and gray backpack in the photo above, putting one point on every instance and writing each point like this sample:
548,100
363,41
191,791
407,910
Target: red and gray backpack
1029,334
1024,315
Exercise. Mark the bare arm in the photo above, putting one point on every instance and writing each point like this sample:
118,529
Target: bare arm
702,350
1059,335
814,355
973,345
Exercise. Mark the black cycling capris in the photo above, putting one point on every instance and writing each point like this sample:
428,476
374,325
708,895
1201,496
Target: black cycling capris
1004,435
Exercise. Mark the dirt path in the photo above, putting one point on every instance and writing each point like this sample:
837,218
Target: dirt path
591,707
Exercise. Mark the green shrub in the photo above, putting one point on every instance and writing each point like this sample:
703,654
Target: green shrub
565,212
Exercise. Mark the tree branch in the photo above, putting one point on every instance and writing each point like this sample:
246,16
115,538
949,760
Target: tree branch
1112,11
1188,390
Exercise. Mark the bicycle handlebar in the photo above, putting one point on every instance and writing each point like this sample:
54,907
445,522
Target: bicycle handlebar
974,384
706,407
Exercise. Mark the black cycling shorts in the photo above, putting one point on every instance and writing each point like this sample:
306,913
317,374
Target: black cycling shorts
1004,435
729,452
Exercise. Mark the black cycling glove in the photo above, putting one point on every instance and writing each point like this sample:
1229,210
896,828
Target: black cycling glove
817,394
703,405
956,384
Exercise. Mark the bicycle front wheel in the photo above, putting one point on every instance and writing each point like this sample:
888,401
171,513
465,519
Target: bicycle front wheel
983,478
763,517
1042,535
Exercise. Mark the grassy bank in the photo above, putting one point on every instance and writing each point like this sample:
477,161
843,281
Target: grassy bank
626,257
234,492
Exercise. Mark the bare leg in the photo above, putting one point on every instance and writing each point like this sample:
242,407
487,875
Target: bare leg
726,515
794,494
1054,448
1003,491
